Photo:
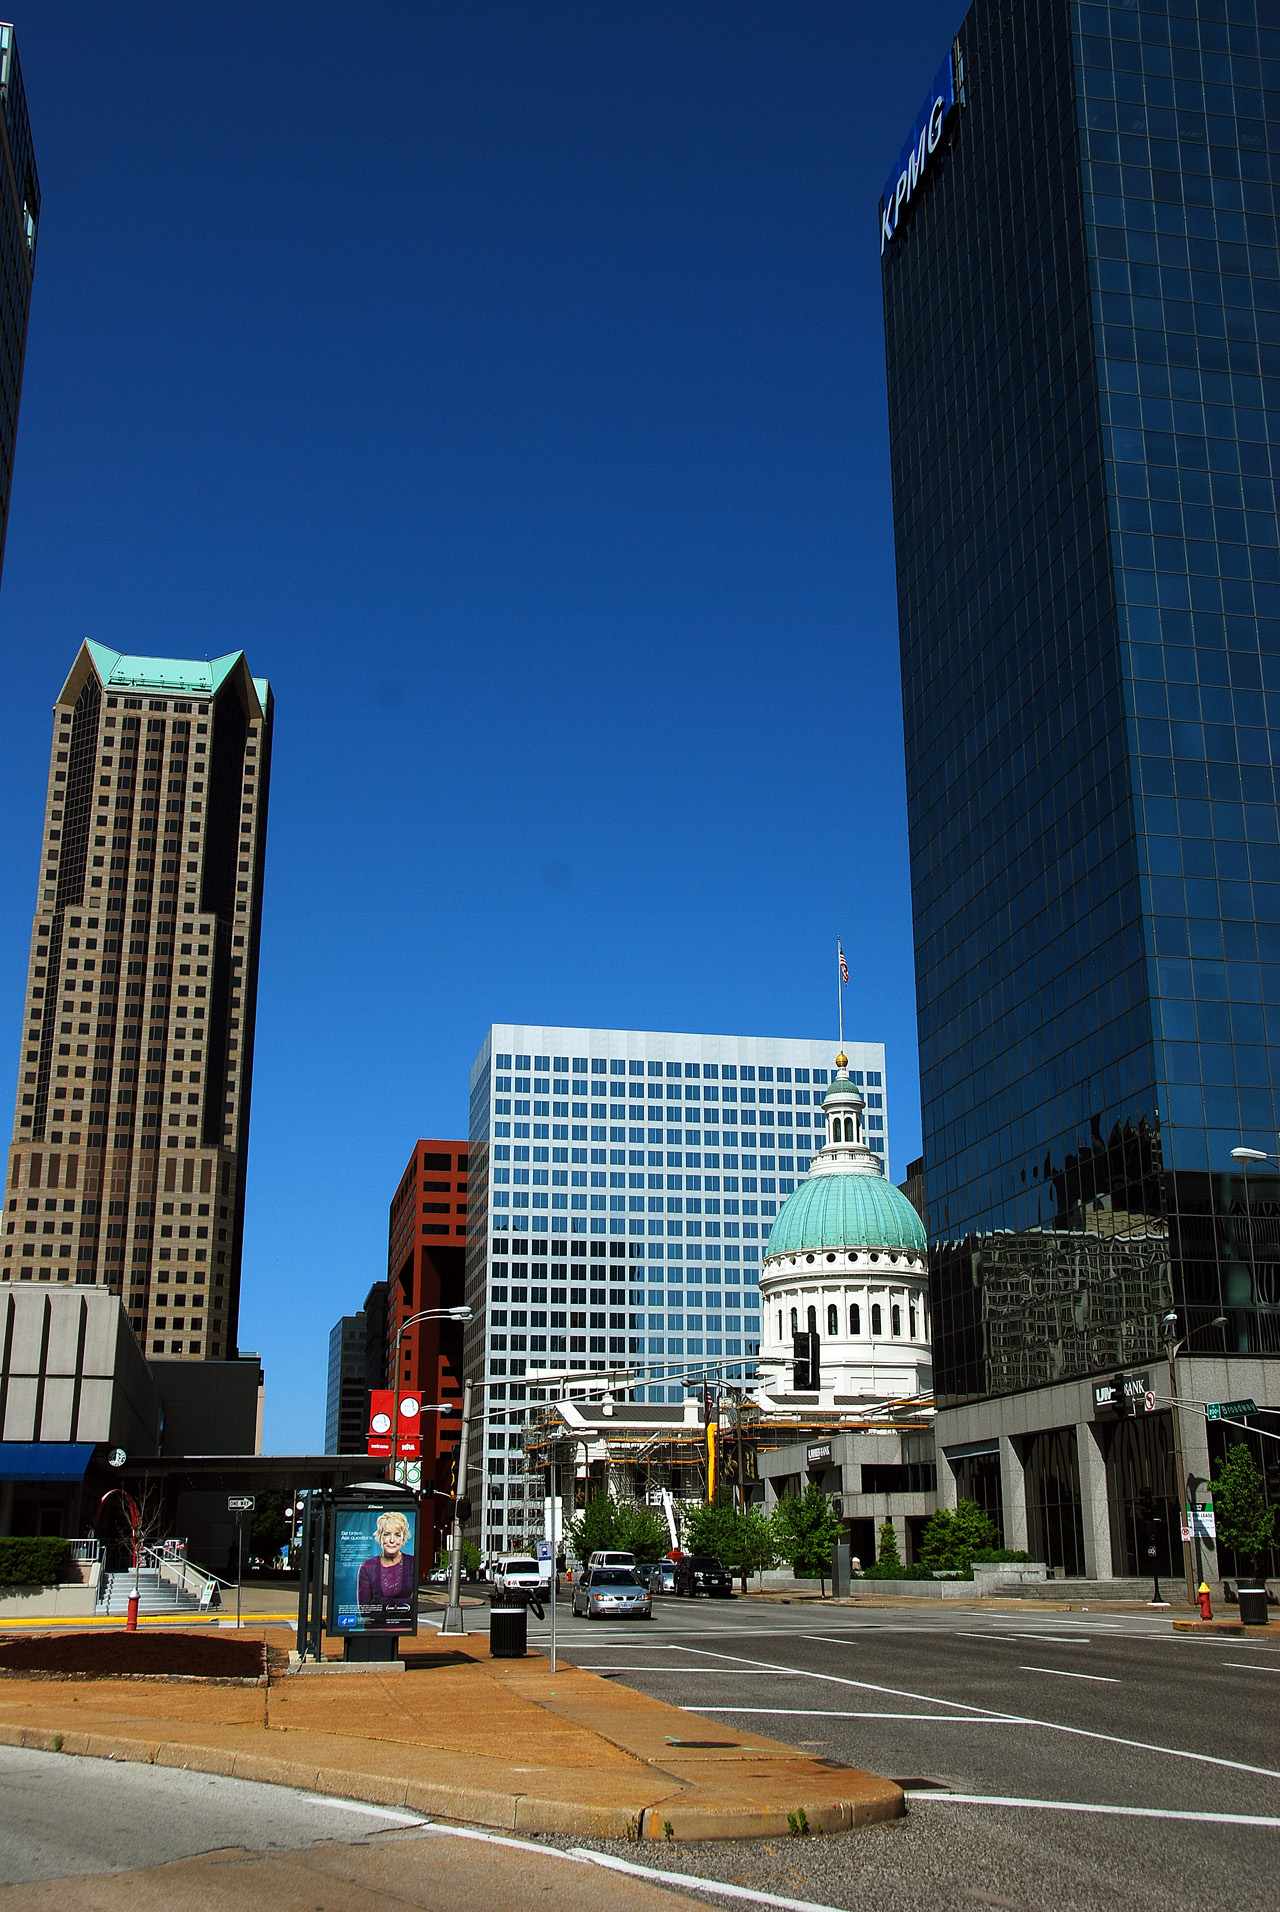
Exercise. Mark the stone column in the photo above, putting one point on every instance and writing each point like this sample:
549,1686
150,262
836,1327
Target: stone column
1013,1494
947,1491
1095,1517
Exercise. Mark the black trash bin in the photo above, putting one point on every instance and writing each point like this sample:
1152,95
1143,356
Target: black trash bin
1253,1605
508,1631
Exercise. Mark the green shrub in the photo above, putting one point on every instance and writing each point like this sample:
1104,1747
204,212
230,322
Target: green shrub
26,1561
890,1570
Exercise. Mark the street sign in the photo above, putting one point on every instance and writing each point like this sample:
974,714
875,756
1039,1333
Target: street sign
240,1503
1202,1523
544,1550
1229,1410
1149,1402
1136,1389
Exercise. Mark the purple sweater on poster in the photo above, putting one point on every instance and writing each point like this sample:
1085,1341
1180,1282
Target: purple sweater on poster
385,1593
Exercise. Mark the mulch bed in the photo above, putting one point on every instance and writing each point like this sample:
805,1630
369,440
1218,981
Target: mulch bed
121,1654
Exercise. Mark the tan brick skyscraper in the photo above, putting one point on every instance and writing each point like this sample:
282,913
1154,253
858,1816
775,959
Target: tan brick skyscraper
132,1118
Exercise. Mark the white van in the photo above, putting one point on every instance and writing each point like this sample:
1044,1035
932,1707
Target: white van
606,1559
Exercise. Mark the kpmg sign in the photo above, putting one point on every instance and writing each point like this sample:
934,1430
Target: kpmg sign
917,154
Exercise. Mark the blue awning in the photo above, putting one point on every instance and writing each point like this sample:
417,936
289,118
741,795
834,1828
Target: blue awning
44,1460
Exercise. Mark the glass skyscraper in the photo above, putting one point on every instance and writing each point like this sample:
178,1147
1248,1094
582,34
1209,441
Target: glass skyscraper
1082,313
621,1186
19,222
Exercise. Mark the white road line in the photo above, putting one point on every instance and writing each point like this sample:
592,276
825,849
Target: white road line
1049,1725
1251,1666
1118,1812
1104,1679
691,1672
692,1884
583,1855
371,1812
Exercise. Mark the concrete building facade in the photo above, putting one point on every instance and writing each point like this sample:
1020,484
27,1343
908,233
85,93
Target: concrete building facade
131,1120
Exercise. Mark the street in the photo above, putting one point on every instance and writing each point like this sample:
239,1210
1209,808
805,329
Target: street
1164,1745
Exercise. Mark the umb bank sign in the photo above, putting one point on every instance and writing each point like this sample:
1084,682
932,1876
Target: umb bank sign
921,152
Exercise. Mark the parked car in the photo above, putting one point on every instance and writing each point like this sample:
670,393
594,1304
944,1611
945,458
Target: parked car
703,1573
611,1592
660,1575
607,1559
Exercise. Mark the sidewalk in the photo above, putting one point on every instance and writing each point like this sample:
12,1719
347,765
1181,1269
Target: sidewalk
501,1743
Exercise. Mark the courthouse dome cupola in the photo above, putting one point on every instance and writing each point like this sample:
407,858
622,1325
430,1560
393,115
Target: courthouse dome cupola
846,1259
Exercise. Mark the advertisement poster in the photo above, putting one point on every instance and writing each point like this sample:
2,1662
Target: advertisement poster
374,1570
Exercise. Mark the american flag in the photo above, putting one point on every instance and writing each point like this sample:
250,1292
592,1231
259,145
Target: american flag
844,967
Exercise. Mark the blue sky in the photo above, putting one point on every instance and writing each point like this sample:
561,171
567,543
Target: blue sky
509,382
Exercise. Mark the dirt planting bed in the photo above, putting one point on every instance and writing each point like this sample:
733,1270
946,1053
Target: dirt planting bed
119,1654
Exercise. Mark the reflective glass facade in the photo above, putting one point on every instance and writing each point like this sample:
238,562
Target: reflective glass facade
1082,311
19,223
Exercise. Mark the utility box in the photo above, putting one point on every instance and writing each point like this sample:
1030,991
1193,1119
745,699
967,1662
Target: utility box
840,1571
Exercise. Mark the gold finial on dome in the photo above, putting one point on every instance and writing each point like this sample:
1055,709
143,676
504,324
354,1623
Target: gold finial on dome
842,1060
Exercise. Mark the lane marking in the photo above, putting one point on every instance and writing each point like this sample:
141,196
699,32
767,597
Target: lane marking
1117,1812
1049,1725
371,1812
1251,1666
1059,1673
583,1855
692,1884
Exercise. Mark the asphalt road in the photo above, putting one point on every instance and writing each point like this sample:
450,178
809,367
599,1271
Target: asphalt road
1137,1756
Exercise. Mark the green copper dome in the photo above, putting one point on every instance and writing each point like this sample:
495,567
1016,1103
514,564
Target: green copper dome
846,1211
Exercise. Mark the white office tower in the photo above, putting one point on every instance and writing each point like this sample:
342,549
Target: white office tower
622,1183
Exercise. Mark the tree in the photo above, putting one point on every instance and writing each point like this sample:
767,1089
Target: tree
744,1541
1245,1523
806,1530
954,1537
887,1554
268,1529
609,1525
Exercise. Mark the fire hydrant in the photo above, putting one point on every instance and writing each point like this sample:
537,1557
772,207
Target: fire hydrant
1202,1601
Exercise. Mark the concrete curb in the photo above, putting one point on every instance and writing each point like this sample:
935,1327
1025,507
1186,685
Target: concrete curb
516,1812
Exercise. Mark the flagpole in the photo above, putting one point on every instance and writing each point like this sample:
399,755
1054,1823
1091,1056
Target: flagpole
839,991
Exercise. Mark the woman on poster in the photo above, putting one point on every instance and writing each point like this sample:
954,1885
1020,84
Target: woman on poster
387,1583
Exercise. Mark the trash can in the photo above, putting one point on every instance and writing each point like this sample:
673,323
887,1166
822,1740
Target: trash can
1253,1605
508,1629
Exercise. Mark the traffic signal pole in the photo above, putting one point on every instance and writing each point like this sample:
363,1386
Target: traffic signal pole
1188,1568
453,1612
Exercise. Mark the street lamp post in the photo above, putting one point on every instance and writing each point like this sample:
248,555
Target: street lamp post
453,1612
426,1314
1173,1349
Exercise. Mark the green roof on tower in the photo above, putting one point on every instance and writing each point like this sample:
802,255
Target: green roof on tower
179,676
846,1211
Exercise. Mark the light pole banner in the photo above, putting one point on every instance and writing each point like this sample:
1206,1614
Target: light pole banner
373,1573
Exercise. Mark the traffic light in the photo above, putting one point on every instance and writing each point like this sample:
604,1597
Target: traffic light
463,1510
806,1374
1121,1401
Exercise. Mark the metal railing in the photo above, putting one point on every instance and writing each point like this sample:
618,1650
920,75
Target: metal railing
173,1566
85,1551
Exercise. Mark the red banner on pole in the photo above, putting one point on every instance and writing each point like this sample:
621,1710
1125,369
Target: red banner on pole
381,1409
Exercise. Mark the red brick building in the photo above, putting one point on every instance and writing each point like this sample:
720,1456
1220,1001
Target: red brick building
426,1253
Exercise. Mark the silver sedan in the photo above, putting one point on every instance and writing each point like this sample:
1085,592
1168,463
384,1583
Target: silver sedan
610,1592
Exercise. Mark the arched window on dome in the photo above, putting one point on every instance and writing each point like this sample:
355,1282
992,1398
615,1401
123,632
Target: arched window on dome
855,1319
848,1128
911,1316
897,1319
779,1324
813,1321
795,1322
833,1320
875,1318
835,1128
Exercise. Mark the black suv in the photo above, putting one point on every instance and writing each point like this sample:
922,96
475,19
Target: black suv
703,1573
